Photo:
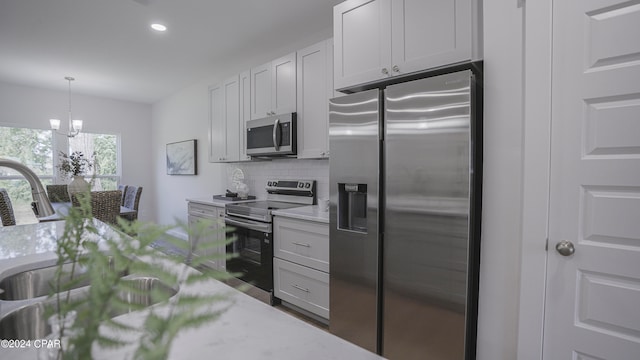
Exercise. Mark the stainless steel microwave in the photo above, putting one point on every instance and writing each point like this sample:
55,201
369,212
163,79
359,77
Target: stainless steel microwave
272,136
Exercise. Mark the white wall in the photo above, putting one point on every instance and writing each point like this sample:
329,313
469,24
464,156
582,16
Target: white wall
33,107
185,116
502,182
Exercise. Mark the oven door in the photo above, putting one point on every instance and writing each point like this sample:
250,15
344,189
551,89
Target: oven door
253,250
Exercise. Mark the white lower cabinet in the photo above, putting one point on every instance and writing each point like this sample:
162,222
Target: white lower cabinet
301,264
302,286
214,233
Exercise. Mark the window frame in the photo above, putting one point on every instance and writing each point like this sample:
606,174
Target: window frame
117,175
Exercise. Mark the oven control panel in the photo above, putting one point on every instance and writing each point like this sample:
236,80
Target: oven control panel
302,186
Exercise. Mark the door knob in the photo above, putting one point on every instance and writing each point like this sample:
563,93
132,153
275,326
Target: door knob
565,248
385,71
395,68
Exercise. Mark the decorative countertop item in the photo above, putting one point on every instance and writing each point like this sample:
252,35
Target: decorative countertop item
242,189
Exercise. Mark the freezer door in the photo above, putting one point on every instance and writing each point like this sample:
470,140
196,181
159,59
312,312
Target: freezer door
426,221
353,171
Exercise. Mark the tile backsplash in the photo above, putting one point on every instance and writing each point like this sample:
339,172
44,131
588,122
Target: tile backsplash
256,174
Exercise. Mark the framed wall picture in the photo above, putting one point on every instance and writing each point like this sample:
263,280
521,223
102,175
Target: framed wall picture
182,158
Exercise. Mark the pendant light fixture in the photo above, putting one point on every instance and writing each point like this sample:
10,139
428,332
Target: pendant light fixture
74,125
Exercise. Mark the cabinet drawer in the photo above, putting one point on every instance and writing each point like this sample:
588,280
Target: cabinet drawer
302,242
301,286
202,210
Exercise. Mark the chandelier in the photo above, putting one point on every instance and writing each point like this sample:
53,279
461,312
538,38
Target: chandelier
74,125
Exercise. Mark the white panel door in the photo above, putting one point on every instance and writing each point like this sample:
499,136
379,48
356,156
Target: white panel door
427,34
362,38
260,91
593,296
283,84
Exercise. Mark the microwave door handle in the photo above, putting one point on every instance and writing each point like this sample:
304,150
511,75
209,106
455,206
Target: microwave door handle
276,129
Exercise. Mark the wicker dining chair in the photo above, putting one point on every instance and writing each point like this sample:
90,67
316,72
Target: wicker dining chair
6,210
58,193
105,205
123,188
132,201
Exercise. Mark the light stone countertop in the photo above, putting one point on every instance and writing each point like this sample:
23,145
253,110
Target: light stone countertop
311,213
214,202
249,329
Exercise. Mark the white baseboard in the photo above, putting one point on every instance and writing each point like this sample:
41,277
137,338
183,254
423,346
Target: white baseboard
178,233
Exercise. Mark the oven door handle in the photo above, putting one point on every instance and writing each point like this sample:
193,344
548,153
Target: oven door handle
260,219
251,225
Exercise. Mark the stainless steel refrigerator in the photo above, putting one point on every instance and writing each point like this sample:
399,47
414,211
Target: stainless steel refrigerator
405,199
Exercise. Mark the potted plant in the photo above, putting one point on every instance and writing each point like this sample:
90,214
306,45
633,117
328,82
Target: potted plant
85,323
75,166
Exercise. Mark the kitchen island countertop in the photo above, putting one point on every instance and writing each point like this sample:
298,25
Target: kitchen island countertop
249,329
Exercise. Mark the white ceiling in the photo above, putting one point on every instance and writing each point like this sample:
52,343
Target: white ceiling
108,47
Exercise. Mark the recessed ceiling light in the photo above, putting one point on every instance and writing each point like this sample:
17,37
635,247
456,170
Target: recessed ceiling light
158,27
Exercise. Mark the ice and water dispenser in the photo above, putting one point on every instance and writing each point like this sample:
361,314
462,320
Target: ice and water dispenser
352,207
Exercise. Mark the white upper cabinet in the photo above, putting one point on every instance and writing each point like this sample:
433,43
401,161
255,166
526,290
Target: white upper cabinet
427,34
375,39
362,41
224,118
245,112
260,85
217,126
273,87
283,84
315,88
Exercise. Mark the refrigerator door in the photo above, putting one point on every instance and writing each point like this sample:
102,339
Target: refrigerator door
426,219
354,145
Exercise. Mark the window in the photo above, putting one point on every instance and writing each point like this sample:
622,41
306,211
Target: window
34,148
105,148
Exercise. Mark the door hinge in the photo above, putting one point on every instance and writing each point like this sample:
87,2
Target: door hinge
546,245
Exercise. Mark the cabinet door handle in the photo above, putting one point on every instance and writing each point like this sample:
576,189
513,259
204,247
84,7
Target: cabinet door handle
300,287
301,244
395,68
385,71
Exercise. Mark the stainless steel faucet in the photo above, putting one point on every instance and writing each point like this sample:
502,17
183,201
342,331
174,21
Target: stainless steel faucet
41,205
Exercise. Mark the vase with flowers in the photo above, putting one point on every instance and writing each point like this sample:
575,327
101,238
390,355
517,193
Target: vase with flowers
75,166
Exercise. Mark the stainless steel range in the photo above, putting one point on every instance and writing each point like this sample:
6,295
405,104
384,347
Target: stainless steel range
252,230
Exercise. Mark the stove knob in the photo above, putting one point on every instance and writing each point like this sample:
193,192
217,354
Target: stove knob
269,183
307,185
275,183
300,185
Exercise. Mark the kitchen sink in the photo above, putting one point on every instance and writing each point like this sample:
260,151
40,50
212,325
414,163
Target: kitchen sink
37,282
29,322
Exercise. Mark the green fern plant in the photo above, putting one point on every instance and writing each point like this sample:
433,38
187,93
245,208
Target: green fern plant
88,254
